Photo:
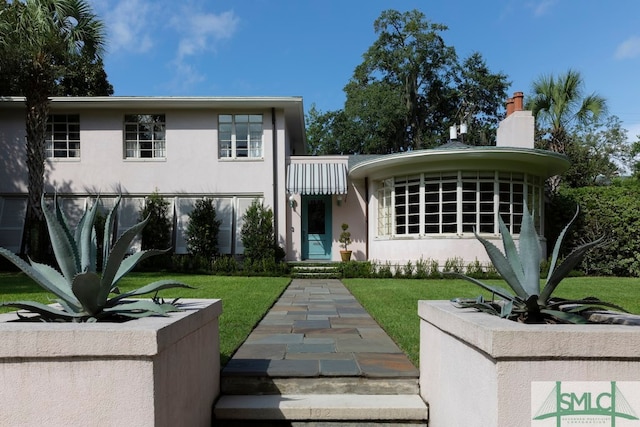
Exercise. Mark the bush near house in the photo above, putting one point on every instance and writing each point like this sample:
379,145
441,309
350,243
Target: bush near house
261,254
202,230
613,211
157,233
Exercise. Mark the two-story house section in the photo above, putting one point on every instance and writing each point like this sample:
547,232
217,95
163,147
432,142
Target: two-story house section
230,149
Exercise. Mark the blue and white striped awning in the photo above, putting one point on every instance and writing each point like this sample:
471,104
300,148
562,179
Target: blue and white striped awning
317,178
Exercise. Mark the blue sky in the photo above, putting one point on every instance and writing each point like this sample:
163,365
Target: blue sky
310,48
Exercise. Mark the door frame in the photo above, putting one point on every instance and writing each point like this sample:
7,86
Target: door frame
328,221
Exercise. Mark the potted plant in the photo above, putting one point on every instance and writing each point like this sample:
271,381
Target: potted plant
161,357
496,357
345,241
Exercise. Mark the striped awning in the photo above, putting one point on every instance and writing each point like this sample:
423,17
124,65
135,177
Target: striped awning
317,178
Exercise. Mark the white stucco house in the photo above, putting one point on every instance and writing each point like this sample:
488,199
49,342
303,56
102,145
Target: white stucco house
399,207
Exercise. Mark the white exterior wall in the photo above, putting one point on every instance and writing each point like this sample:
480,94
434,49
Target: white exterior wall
191,167
477,370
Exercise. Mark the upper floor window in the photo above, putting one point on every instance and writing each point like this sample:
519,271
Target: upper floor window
62,139
240,135
144,135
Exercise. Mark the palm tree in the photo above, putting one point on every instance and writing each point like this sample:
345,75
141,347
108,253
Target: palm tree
558,104
39,40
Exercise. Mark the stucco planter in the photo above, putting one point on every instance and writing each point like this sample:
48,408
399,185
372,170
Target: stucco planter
477,369
155,371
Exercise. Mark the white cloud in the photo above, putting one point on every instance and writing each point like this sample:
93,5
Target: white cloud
200,32
130,24
630,48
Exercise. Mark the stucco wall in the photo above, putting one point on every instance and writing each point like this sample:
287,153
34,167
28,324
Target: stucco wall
476,370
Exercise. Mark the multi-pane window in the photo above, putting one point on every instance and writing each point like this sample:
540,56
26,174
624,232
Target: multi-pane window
407,205
384,208
144,135
511,200
457,203
240,135
62,139
440,203
478,213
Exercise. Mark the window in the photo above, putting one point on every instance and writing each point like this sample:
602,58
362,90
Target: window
144,136
62,139
240,135
384,208
457,203
407,205
478,212
441,206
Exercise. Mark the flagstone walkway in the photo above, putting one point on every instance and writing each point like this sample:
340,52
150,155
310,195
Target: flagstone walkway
317,340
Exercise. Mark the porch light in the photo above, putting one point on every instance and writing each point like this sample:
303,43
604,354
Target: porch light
292,201
339,199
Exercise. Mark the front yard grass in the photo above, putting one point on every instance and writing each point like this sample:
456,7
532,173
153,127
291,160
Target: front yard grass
394,302
245,300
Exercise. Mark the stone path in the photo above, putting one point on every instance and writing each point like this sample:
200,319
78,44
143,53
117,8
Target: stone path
317,341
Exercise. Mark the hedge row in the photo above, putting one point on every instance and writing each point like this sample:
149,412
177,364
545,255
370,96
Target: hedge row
612,211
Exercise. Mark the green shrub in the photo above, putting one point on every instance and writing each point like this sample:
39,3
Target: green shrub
192,264
352,269
613,211
257,232
225,264
157,233
202,230
454,265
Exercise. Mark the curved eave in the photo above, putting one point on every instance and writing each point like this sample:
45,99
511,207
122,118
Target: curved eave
540,162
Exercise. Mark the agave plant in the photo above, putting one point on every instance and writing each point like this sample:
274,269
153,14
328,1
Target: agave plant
83,294
520,269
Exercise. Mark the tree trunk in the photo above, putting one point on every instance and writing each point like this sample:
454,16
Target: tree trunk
35,240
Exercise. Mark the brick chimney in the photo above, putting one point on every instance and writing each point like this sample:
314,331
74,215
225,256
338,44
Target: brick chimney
518,101
509,106
517,129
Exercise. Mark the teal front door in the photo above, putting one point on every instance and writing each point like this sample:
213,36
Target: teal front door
316,227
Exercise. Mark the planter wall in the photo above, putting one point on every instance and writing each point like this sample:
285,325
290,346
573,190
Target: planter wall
477,369
155,371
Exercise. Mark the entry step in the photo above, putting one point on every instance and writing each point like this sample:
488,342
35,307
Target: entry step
323,407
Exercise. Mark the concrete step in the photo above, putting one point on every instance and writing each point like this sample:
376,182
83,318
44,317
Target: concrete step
323,409
243,385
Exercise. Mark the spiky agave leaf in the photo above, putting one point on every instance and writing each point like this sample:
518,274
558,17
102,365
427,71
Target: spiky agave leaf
54,277
84,233
510,251
566,267
86,287
503,266
41,277
64,247
530,254
47,312
140,308
109,225
556,248
494,289
150,288
113,264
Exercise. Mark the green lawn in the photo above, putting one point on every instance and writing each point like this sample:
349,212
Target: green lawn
394,302
245,300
